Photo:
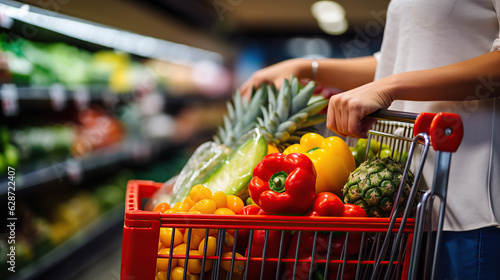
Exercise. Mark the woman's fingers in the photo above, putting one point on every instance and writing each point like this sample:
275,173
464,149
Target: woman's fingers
347,111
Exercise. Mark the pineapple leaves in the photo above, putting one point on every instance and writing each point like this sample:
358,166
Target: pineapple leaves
303,96
284,100
281,115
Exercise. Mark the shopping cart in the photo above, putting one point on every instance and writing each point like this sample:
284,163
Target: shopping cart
335,247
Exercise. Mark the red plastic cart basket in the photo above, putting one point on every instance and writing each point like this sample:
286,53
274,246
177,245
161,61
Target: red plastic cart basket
385,248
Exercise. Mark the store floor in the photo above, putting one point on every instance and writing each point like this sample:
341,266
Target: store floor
107,267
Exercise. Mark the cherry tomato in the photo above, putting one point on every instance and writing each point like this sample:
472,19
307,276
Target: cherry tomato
211,246
162,207
250,210
195,239
224,211
178,274
238,266
205,206
220,199
194,265
162,263
228,240
171,211
166,237
189,201
234,203
181,207
161,275
199,192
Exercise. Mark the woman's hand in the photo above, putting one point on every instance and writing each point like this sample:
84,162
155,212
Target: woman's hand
347,110
275,74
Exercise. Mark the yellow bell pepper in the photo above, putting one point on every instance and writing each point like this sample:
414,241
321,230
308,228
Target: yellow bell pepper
332,159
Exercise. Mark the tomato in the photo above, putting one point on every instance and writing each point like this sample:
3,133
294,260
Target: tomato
178,274
211,246
194,265
249,210
228,240
205,206
171,211
181,207
162,263
352,210
234,203
328,204
220,199
195,239
161,275
162,207
238,266
166,237
199,192
189,201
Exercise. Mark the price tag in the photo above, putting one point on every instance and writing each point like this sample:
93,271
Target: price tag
9,99
57,96
81,97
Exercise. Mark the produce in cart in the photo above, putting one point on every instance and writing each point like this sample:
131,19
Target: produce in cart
195,242
374,186
280,117
332,160
284,184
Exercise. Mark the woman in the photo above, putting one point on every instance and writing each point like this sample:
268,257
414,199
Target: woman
436,56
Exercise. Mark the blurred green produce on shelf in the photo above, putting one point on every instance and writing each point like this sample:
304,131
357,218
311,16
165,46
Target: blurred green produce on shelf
45,142
44,64
9,154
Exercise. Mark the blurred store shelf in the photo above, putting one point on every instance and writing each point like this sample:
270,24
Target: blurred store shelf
87,246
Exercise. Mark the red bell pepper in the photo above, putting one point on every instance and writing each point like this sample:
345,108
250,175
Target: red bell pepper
284,185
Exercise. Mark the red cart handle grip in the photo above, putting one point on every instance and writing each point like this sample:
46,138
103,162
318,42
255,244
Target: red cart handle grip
446,130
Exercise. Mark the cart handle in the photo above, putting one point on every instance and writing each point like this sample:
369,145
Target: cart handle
446,130
392,115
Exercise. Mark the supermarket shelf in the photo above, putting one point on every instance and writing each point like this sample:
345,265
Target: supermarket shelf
74,169
85,247
58,97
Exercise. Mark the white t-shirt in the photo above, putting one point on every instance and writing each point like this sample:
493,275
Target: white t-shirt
427,34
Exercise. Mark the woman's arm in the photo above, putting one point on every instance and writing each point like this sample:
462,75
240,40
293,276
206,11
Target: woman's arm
473,79
340,73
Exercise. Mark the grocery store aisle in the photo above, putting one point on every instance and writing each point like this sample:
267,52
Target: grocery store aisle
105,268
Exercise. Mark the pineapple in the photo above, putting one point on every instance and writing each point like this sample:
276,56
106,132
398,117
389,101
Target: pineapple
282,116
241,116
374,186
291,113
